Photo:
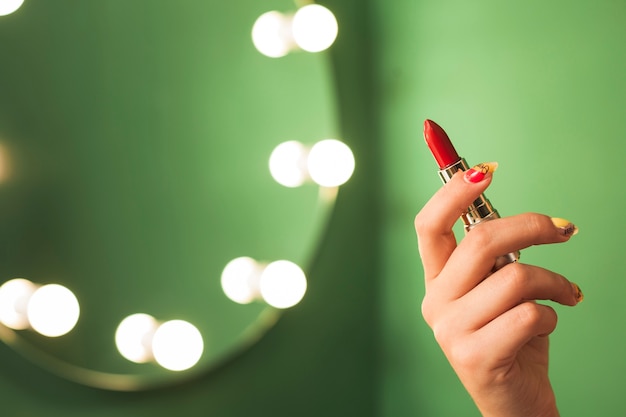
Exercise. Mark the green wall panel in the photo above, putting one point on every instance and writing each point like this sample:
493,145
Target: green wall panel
540,88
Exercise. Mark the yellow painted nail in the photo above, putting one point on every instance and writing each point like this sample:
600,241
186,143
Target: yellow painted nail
566,228
578,294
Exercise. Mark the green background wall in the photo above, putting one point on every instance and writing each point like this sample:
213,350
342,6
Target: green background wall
538,87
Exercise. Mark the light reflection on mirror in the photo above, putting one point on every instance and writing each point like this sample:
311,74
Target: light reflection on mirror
314,28
14,297
51,310
177,345
288,164
281,283
133,337
311,28
328,163
134,168
9,6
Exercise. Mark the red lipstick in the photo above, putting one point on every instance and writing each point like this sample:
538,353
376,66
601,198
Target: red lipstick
440,145
450,163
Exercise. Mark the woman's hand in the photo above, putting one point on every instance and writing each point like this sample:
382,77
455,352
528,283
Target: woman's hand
487,323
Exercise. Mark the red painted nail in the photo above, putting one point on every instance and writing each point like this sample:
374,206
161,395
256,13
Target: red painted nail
480,171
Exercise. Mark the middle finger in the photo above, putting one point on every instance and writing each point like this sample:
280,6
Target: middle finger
512,285
474,258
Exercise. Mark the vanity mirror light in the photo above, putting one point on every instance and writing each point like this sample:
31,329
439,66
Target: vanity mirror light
135,142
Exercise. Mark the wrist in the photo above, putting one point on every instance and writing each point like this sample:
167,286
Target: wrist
511,404
532,411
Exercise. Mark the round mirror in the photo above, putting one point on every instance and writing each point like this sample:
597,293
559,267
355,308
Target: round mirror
134,149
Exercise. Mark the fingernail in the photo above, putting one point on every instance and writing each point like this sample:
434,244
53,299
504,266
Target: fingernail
566,228
578,294
478,172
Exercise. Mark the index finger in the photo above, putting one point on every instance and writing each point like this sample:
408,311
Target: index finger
433,224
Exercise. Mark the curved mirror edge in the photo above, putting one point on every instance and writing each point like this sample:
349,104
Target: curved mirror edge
132,382
265,320
28,346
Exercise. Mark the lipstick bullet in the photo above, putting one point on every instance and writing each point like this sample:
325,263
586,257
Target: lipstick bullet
450,163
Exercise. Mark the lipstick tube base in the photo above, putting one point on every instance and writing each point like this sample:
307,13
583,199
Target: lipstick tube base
504,260
479,212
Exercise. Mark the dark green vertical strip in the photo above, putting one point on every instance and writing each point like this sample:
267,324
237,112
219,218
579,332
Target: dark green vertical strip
354,244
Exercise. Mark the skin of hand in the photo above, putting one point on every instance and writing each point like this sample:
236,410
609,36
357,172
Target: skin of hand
488,324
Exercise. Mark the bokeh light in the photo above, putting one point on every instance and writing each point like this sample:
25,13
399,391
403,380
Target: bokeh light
331,163
133,337
53,310
14,297
314,28
282,284
9,6
288,163
271,34
240,280
177,345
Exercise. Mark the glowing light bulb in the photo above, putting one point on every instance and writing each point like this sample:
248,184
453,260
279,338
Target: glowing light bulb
14,296
314,28
177,345
271,34
9,6
282,284
331,163
53,310
288,164
133,337
240,279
